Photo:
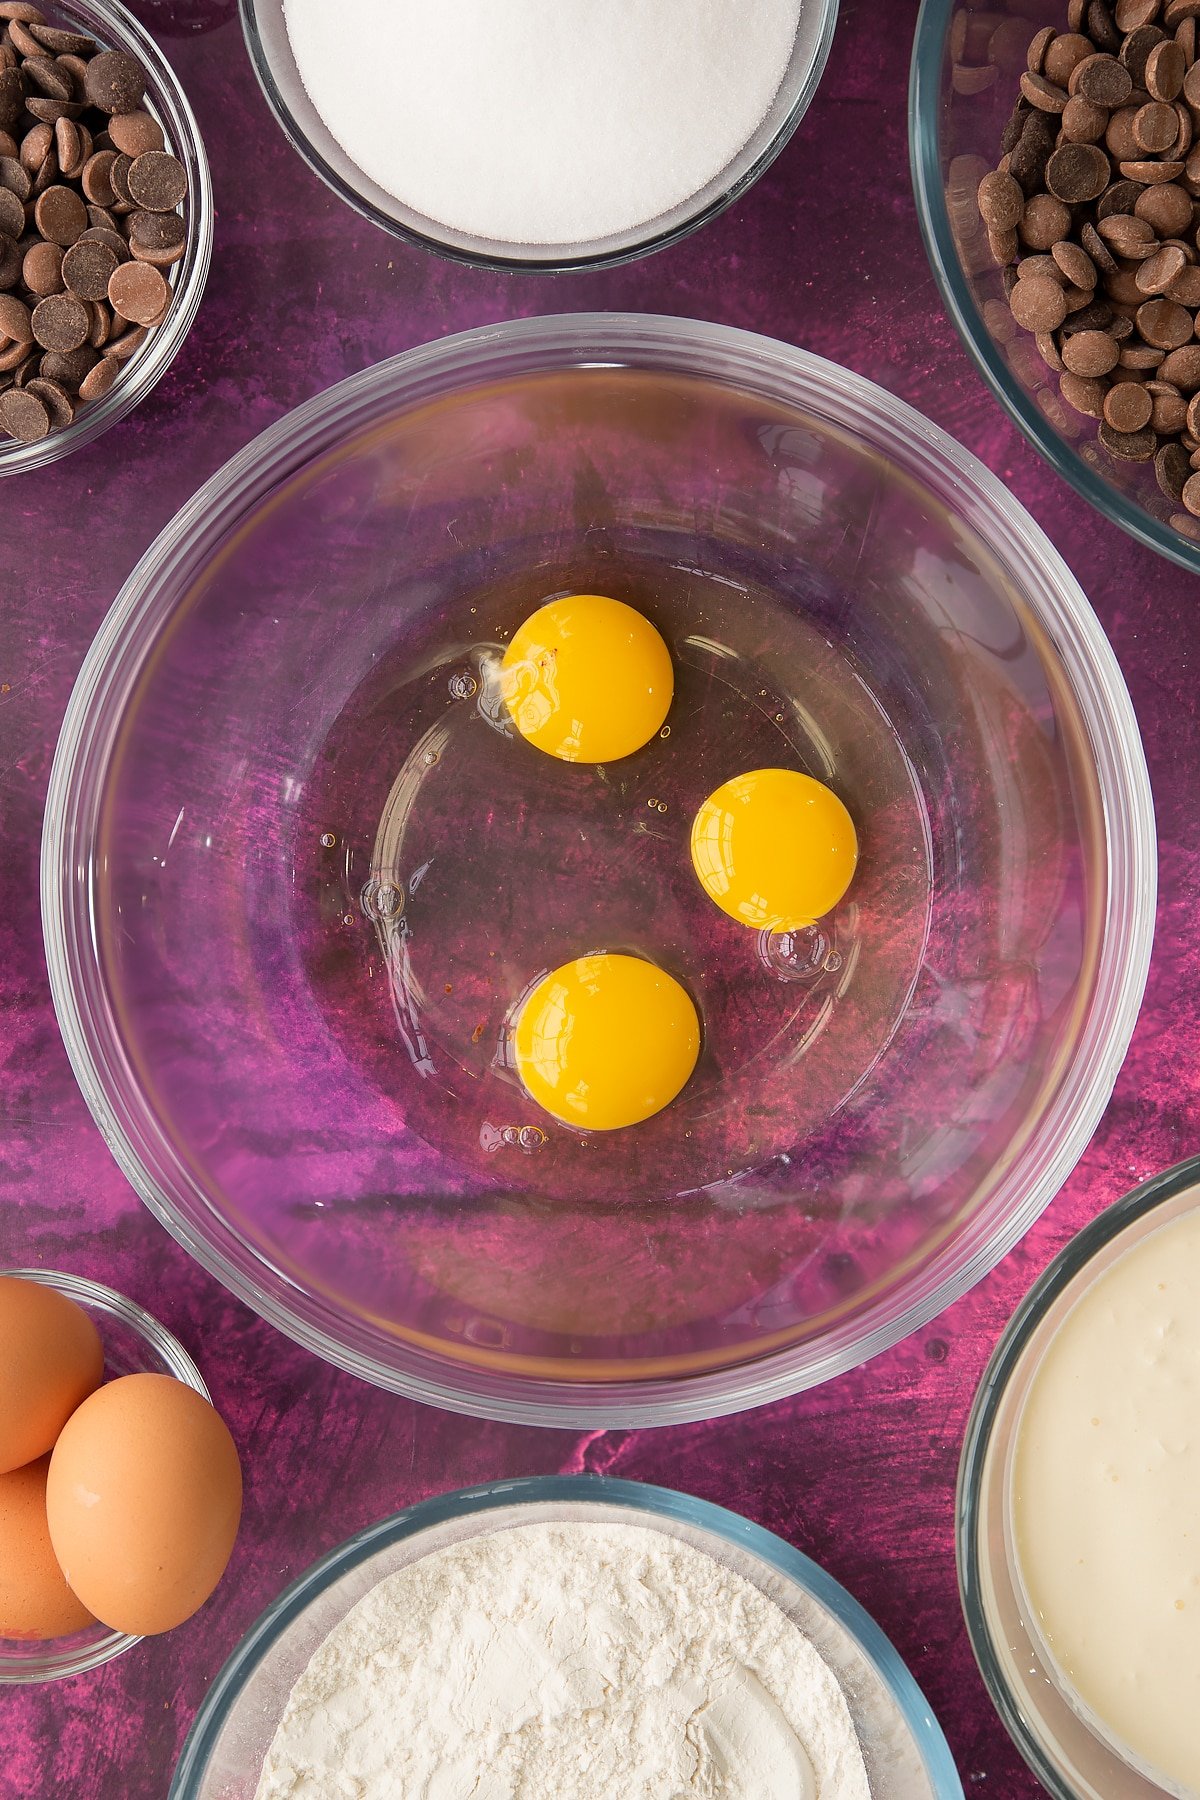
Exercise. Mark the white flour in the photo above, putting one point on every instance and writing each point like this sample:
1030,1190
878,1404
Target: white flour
566,1662
542,121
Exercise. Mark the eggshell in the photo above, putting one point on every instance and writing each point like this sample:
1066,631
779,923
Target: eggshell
50,1360
35,1601
144,1499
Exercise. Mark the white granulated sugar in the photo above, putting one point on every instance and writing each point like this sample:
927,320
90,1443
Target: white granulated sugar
566,1662
542,121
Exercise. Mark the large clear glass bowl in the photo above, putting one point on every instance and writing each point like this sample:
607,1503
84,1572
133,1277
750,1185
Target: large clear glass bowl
134,1344
954,139
270,49
115,28
294,881
1064,1745
906,1755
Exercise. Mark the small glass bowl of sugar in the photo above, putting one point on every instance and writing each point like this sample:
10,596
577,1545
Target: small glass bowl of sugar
541,134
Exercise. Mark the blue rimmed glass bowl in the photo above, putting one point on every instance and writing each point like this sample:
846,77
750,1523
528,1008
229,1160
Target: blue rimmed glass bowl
906,1754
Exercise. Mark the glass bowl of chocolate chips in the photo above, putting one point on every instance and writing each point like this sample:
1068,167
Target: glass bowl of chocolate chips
1056,159
105,223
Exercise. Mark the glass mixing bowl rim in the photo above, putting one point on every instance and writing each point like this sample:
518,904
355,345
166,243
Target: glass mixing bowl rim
531,1490
1131,1209
58,1665
556,264
154,359
924,105
715,352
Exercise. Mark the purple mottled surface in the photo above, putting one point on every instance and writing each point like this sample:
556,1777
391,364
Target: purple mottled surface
824,252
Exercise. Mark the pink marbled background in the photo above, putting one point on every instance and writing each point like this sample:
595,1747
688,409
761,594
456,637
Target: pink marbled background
824,252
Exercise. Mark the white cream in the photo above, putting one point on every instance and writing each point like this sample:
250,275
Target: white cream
1106,1499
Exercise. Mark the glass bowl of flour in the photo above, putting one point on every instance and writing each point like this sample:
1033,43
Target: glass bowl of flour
566,1638
541,134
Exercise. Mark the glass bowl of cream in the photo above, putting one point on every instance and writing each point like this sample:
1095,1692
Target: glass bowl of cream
1078,1529
490,1628
543,135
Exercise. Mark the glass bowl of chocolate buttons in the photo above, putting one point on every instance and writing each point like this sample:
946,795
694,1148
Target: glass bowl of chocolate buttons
105,223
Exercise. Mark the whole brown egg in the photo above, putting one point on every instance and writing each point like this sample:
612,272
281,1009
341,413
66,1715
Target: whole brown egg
143,1499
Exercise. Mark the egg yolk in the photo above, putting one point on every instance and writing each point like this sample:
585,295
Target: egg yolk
606,1041
587,679
774,849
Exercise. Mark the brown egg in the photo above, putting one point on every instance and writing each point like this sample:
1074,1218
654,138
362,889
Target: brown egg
50,1360
144,1498
35,1601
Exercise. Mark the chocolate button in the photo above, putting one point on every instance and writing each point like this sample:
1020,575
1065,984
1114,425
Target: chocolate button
157,181
61,322
1157,272
62,43
1169,414
54,398
1045,95
24,416
1090,353
68,366
1166,67
42,269
1182,367
99,379
1130,14
133,134
1038,303
15,319
87,269
138,293
1164,323
47,77
10,262
12,98
1127,406
159,238
60,215
1129,446
1083,122
115,82
1103,80
1155,126
69,145
12,214
1063,54
1078,172
1001,201
15,177
94,178
36,146
1167,208
1075,264
1044,222
1186,287
1136,49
